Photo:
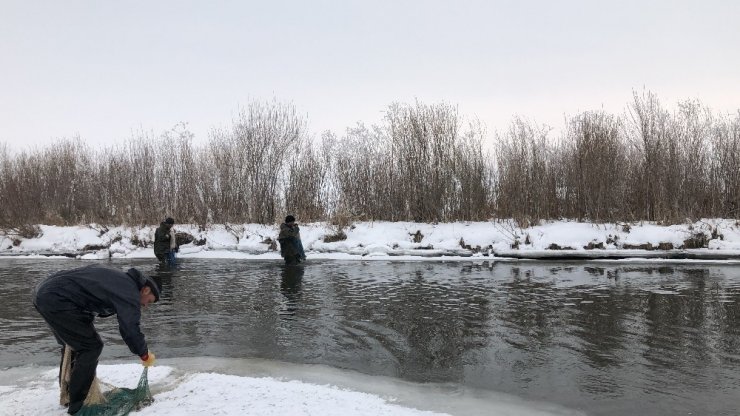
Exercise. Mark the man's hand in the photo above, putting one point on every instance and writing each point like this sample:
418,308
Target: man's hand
147,360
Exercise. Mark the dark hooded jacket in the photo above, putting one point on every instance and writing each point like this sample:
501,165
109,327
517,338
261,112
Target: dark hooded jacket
287,237
100,291
162,239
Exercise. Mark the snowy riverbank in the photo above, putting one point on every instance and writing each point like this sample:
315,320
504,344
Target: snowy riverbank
708,239
206,385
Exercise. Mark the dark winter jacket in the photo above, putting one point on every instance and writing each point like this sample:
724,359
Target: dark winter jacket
101,291
287,231
162,239
288,235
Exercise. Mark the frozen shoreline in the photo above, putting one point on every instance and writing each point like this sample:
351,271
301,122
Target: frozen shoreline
194,386
704,240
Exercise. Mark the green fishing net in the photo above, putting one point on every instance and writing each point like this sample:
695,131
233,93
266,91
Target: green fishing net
120,401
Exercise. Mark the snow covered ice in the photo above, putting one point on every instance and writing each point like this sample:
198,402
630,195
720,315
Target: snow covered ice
34,391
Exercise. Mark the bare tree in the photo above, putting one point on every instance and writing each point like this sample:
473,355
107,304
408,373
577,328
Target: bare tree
422,163
649,135
592,167
307,177
526,188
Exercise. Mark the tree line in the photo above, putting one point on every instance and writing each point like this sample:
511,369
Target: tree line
423,162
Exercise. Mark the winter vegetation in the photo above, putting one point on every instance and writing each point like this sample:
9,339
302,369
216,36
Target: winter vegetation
423,163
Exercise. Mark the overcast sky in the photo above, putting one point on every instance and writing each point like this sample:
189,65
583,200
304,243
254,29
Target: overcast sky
106,69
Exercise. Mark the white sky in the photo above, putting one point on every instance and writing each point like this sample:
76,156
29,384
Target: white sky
102,70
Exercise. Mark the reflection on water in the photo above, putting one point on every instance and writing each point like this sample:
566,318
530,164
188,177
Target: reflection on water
290,285
604,338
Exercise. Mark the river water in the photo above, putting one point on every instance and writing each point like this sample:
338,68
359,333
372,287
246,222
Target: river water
603,338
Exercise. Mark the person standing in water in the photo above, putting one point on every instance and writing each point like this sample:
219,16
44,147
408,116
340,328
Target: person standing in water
291,247
165,242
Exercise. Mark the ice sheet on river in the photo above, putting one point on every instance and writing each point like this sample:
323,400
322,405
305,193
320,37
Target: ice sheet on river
218,386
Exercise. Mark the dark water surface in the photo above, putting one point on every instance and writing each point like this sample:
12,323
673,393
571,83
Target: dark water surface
605,338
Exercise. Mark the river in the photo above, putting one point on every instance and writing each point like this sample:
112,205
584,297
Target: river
605,338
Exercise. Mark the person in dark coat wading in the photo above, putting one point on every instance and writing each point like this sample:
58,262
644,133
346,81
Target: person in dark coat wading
291,247
69,300
165,242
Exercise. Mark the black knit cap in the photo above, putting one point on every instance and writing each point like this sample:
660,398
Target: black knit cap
289,219
169,220
144,280
154,287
